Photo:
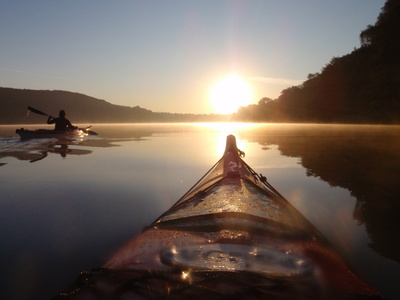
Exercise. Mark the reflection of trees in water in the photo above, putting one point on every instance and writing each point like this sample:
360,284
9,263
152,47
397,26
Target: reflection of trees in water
363,160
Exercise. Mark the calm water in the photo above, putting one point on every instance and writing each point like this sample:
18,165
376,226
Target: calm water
67,205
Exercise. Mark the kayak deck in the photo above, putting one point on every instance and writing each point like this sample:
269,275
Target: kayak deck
231,189
240,197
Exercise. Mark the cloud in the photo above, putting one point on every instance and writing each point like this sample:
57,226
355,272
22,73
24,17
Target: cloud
277,81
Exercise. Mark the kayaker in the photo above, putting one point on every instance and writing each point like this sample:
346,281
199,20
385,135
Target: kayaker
62,123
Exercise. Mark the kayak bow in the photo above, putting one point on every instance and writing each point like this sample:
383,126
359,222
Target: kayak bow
231,236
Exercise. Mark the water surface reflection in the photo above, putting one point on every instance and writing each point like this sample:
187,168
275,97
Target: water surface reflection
81,199
365,160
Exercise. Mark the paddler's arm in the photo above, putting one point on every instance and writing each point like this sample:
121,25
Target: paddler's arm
50,120
70,126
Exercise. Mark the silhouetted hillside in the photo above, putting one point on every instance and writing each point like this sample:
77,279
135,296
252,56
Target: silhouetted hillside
81,109
361,87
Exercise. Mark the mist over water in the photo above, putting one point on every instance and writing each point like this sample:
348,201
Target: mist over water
67,205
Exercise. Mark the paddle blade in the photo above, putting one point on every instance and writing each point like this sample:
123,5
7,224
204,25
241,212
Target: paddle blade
90,132
37,111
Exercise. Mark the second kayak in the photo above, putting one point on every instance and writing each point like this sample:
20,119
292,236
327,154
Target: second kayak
49,133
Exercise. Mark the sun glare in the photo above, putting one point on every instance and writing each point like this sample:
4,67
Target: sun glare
229,93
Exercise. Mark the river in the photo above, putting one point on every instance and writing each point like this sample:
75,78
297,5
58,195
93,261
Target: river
67,205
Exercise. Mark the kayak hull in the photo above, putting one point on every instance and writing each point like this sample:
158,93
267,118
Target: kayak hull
231,236
48,133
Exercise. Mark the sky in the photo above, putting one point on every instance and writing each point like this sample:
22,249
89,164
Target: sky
166,56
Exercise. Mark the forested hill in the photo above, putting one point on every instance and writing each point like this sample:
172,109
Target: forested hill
80,109
361,87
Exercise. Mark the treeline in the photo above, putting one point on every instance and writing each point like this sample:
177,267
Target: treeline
81,109
361,87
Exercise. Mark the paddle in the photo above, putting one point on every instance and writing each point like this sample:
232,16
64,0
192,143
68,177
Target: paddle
36,111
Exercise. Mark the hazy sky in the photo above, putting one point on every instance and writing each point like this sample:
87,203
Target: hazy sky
166,55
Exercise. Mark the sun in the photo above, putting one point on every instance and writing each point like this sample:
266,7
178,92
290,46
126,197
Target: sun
229,93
